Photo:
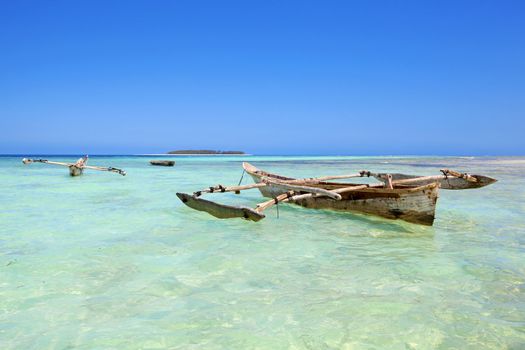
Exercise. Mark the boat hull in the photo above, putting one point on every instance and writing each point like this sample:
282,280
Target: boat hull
75,171
415,204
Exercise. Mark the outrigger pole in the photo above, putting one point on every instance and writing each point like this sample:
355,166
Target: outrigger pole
223,211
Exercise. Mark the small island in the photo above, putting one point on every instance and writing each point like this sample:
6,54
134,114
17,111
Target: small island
205,151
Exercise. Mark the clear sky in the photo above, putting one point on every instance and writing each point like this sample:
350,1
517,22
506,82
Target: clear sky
266,77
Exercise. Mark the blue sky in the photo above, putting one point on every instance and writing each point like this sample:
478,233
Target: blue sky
266,77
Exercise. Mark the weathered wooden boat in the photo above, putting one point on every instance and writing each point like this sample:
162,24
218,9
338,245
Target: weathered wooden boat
162,162
77,168
406,197
410,203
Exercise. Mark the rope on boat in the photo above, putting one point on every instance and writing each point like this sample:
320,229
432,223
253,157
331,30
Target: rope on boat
242,175
276,201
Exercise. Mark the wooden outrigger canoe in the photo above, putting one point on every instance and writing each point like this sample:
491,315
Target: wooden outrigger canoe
405,197
77,168
410,203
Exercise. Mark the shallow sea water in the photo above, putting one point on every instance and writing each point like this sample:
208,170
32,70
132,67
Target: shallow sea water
110,262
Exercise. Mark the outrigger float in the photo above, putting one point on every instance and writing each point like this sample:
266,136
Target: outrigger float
397,196
77,168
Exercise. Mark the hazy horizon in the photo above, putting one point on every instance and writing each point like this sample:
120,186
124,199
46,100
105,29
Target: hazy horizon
260,155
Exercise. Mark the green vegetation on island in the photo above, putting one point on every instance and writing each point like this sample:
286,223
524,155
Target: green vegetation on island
204,151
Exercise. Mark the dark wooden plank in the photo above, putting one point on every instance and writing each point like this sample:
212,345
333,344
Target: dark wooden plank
221,211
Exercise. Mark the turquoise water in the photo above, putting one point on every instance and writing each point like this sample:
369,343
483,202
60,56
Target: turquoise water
110,262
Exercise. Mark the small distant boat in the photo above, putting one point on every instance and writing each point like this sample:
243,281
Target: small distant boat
77,168
405,197
162,162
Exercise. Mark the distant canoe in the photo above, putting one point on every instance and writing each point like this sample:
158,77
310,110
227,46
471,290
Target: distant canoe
162,162
77,168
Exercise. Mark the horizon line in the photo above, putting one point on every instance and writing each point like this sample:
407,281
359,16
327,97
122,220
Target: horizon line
254,155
